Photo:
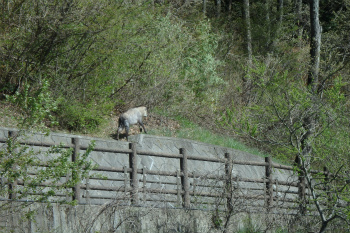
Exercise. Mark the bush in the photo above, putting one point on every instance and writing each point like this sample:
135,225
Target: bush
76,117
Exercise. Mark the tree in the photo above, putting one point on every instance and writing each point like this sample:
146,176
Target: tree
279,18
268,23
298,18
315,47
248,35
275,121
302,120
310,122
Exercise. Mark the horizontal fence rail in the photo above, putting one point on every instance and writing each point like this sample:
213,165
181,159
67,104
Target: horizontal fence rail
182,188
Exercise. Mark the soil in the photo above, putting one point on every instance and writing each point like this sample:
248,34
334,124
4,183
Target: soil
151,122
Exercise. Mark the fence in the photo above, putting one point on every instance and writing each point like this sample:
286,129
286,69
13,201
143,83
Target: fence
181,188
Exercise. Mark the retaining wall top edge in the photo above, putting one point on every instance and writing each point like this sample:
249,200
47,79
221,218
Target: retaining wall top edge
137,138
63,135
140,137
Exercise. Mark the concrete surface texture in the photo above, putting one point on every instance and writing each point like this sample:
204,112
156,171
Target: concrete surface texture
125,219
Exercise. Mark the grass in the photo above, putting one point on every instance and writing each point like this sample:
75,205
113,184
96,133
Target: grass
190,130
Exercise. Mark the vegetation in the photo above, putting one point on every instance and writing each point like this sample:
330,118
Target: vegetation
18,163
189,130
261,71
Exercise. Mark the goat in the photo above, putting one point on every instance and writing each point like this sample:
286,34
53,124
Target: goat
131,117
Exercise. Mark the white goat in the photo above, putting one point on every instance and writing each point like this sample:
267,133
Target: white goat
131,117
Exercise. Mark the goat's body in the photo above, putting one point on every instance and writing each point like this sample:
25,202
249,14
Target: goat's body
131,117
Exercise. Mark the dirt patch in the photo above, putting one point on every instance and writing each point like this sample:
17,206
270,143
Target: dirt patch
155,121
151,122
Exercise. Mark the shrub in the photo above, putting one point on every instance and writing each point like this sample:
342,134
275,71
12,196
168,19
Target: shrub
76,117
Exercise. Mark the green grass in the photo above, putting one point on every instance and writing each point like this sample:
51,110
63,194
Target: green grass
190,130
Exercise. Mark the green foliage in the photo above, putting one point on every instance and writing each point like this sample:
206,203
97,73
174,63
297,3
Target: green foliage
200,64
18,163
74,62
51,44
104,54
276,115
83,118
36,105
289,118
164,57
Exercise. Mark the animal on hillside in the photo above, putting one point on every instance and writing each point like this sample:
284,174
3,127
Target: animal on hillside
131,117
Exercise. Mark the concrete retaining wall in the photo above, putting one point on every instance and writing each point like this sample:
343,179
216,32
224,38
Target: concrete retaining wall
152,219
126,219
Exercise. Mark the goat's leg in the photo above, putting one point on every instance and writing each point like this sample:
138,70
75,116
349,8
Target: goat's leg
127,132
118,131
144,129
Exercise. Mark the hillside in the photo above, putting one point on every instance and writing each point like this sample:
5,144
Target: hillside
254,78
274,75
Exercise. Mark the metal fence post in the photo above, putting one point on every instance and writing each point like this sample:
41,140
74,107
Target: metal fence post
133,177
87,196
229,188
276,191
269,187
144,183
178,187
68,196
126,180
194,185
75,157
184,178
12,185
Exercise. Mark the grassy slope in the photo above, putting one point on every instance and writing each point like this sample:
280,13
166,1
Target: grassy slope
156,125
193,131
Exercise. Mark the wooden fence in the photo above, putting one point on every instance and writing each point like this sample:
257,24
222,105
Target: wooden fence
135,178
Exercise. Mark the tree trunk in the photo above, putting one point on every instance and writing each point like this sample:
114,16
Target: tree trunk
323,227
313,76
279,18
298,7
279,13
298,19
309,123
268,24
218,7
315,46
248,30
204,7
246,82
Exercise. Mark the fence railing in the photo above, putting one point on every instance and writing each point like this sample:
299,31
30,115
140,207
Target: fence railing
186,189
